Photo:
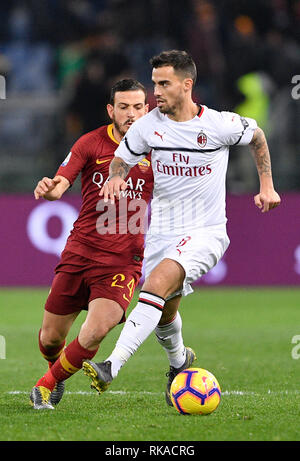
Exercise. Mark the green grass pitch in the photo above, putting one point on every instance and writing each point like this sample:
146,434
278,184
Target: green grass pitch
243,336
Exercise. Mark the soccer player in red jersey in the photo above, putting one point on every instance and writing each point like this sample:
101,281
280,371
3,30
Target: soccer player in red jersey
102,260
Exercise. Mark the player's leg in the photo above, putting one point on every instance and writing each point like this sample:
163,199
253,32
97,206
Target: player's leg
61,309
62,306
169,335
103,315
169,332
65,301
53,333
179,268
101,320
52,340
165,279
197,259
51,344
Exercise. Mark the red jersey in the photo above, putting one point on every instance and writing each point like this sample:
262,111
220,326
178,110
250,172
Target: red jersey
106,233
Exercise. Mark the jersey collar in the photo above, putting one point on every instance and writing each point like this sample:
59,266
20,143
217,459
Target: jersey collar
110,133
200,111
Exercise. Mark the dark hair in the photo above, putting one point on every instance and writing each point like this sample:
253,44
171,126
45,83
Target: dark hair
181,61
127,84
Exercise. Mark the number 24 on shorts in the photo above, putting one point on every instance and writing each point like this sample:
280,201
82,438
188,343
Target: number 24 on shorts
118,280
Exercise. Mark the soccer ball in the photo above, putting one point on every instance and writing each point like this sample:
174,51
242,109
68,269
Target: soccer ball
195,391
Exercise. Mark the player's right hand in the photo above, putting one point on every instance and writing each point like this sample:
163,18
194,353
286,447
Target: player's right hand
112,189
44,186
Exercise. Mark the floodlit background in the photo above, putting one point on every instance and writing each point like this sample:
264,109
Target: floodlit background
60,58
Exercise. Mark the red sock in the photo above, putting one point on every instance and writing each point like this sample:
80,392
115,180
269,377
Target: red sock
70,361
51,354
47,380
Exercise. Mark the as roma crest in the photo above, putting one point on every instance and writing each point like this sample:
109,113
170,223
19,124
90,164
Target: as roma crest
202,139
144,165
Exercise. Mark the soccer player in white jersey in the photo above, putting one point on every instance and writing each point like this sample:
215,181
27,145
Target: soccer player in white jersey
187,235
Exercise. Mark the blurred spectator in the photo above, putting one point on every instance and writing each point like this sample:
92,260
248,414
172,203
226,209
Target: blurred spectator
101,62
86,110
204,42
281,56
70,62
31,63
114,59
256,104
146,27
244,55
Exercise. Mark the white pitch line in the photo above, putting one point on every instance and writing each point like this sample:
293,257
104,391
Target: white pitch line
233,392
93,393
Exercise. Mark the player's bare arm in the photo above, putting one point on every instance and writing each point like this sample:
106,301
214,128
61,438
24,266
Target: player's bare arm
267,197
118,170
51,189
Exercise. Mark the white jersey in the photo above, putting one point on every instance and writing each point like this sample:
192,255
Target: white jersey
189,161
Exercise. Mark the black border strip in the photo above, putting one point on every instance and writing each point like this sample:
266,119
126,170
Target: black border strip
183,149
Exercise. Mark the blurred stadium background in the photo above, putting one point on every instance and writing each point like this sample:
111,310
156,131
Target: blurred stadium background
60,58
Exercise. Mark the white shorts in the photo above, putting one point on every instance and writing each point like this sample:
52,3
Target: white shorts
197,252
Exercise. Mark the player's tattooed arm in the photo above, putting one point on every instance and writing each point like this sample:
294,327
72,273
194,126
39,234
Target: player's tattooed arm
118,168
267,197
260,152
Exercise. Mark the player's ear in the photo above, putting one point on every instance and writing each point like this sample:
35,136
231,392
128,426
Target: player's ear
146,108
110,110
188,84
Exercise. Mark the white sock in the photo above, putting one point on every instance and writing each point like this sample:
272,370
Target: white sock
170,337
140,323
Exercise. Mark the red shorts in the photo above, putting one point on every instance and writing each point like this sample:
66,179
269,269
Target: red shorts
79,280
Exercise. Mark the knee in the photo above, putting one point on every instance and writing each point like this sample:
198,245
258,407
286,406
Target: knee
50,337
165,279
153,283
91,336
157,284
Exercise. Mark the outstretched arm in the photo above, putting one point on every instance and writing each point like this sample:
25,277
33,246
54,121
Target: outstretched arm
118,170
267,197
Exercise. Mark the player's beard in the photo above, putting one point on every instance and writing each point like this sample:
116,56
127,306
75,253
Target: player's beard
171,109
167,110
121,128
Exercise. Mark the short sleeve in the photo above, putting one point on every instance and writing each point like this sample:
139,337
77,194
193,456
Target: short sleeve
133,146
73,163
236,130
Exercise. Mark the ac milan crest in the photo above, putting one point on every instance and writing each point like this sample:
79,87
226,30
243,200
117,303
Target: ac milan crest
202,139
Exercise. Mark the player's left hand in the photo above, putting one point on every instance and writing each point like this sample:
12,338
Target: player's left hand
112,189
266,201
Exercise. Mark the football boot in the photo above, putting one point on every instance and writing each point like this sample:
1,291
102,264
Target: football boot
190,358
57,393
40,398
100,374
